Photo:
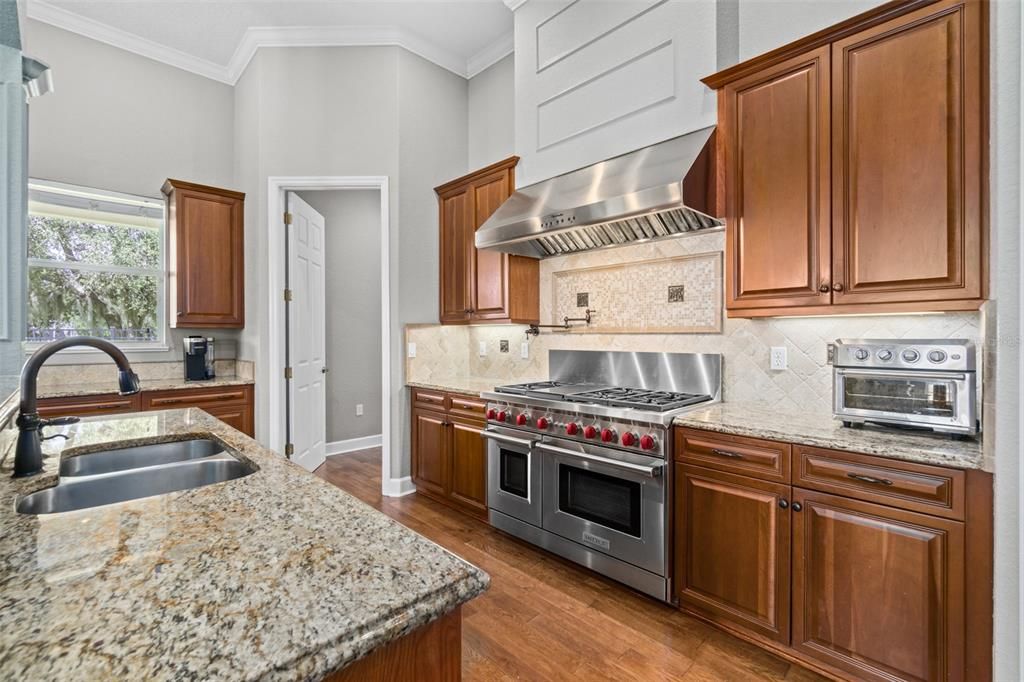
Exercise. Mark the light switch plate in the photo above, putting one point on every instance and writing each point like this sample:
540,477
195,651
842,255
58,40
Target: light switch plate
524,350
411,347
359,409
777,358
483,349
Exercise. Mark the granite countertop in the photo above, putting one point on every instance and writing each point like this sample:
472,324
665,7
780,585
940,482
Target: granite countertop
468,385
821,430
277,575
72,389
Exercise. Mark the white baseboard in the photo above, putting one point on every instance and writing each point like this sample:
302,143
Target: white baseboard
399,487
353,444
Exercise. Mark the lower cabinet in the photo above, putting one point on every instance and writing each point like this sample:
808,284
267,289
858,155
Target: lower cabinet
856,567
732,549
449,454
234,405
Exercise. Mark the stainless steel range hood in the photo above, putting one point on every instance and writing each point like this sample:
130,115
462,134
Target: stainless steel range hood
660,191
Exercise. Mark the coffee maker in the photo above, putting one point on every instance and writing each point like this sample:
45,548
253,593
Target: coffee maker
198,358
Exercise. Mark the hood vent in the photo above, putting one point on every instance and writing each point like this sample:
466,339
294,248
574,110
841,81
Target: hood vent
657,192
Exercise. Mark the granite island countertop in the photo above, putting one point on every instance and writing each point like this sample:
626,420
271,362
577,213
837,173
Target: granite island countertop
277,575
85,388
821,430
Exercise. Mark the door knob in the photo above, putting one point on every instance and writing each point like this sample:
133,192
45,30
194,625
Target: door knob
837,287
797,506
823,288
783,503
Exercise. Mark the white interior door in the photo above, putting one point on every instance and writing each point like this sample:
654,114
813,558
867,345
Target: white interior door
306,333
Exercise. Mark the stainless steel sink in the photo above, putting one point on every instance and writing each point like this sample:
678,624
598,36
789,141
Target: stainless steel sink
109,461
73,493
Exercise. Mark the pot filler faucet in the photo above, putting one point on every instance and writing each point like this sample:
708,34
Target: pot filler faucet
28,456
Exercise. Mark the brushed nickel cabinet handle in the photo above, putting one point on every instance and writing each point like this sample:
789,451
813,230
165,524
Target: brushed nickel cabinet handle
869,479
726,453
838,286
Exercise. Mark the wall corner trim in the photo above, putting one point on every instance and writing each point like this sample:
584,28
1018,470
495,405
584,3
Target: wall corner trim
340,447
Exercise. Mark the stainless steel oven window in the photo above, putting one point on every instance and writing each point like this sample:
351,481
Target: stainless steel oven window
902,395
607,500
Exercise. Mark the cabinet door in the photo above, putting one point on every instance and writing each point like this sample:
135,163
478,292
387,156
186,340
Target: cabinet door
207,234
468,462
732,541
490,268
878,592
430,451
457,253
238,417
906,159
776,130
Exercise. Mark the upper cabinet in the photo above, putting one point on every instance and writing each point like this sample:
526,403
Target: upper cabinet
854,166
206,271
482,286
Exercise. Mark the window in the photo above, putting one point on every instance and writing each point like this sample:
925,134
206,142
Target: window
95,265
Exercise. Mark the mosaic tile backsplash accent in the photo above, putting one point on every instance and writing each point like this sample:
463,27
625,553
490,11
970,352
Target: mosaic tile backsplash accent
452,351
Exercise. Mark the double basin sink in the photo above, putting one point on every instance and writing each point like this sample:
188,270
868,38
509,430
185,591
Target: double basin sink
118,475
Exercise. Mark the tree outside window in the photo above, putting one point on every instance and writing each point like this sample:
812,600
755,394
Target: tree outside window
96,265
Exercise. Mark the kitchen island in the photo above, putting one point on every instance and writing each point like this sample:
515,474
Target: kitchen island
276,575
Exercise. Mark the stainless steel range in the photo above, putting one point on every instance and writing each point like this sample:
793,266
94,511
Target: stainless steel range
579,464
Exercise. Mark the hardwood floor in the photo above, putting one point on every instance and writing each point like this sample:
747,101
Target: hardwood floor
546,619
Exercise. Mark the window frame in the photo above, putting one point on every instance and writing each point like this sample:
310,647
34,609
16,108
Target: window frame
161,343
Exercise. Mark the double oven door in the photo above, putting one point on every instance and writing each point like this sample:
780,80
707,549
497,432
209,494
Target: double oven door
604,499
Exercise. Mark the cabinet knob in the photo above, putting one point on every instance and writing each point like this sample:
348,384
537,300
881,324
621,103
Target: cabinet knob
797,506
824,288
783,503
837,286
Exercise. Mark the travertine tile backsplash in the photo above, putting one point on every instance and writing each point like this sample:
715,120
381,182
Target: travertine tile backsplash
452,351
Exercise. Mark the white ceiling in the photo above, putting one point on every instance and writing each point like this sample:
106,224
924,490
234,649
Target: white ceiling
217,38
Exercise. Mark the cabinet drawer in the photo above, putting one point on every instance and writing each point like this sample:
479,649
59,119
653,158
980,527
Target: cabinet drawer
429,399
239,417
914,487
88,406
762,459
204,397
467,406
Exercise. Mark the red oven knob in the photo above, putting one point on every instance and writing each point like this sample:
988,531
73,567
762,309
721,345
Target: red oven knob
629,439
647,442
542,423
521,420
589,431
502,416
607,436
492,413
572,428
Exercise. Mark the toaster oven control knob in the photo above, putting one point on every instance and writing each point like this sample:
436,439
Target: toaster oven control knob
502,416
589,431
492,413
885,355
860,354
521,419
937,356
629,439
607,435
572,428
910,355
647,442
542,423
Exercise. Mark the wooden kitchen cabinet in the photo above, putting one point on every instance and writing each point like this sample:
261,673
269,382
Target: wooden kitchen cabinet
234,405
449,454
206,256
878,592
855,166
732,549
482,286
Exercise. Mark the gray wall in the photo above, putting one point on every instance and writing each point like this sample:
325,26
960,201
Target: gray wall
121,122
491,125
767,24
352,268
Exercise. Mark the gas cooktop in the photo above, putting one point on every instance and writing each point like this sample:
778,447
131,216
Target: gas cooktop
610,396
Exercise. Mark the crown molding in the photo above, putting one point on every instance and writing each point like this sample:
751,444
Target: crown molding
285,36
514,4
104,33
491,55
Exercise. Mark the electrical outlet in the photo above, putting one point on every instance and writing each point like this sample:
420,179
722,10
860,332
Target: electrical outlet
524,350
482,350
777,357
411,347
359,409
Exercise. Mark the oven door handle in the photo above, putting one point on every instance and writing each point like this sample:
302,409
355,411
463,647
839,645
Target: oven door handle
652,471
907,374
508,439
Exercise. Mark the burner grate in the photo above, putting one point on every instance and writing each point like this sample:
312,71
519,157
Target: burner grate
641,398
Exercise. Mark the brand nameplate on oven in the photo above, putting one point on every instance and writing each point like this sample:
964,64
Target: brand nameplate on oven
596,541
